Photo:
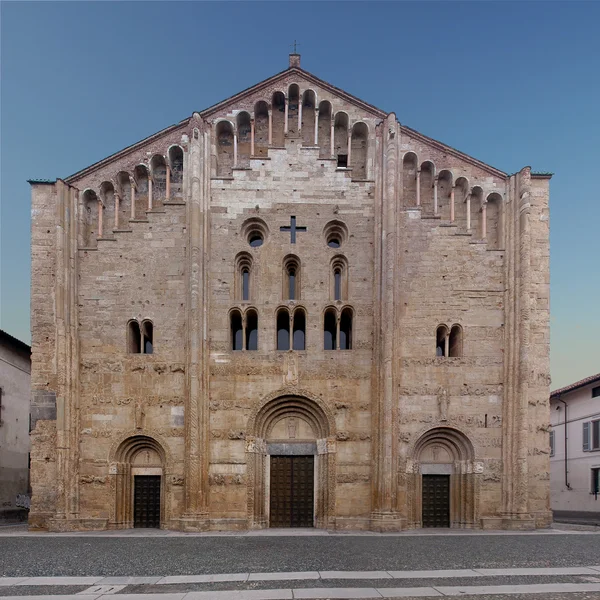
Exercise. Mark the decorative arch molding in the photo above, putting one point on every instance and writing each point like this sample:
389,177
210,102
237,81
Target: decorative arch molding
293,402
443,450
122,471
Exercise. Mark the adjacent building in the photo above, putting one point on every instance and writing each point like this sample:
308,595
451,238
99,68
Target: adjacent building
290,309
575,449
15,392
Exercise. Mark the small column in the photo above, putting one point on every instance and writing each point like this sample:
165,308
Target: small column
435,198
132,184
285,125
244,332
100,219
168,190
149,192
316,126
117,204
468,203
418,186
452,205
337,332
332,140
349,149
235,152
447,345
299,113
251,137
484,220
270,127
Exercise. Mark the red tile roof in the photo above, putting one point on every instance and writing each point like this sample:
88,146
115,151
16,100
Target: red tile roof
576,385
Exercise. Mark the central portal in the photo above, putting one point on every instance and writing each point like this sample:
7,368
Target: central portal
292,491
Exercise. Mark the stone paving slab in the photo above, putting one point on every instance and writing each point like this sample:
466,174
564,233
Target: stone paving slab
443,573
283,576
203,578
355,575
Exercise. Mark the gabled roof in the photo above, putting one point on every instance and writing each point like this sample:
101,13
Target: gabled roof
575,386
306,75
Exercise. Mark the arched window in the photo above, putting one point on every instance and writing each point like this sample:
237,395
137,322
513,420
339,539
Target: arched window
444,192
308,118
158,167
89,219
283,330
244,131
339,278
461,189
107,195
261,128
476,203
299,330
147,337
291,278
294,101
360,141
243,285
251,323
426,178
455,345
330,329
441,343
124,190
278,120
325,129
224,139
346,329
340,139
409,179
237,330
493,221
176,162
141,177
134,338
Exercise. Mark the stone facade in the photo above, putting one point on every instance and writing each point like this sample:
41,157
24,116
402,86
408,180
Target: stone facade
15,368
428,268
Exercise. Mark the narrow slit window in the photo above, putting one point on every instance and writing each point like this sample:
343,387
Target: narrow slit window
134,338
148,337
251,330
337,284
283,330
237,331
455,342
329,331
346,330
299,338
245,284
292,283
441,339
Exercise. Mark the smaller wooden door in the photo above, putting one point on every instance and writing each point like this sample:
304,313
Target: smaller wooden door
292,491
146,501
436,500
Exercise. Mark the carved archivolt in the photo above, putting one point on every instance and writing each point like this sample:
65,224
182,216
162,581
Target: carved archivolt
129,443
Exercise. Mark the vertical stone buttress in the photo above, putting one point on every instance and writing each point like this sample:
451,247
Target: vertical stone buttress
385,516
521,356
59,366
196,410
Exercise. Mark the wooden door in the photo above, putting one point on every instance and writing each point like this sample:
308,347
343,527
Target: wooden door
436,500
146,501
292,491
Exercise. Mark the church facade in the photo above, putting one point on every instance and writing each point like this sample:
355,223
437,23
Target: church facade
290,310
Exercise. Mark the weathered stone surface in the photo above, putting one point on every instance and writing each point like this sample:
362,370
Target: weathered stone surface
203,415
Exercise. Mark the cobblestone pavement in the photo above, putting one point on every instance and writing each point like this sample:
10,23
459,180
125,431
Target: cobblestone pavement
558,565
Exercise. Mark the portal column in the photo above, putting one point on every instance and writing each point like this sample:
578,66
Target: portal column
132,185
452,205
285,125
332,140
435,196
168,190
468,203
316,126
149,191
270,127
117,205
251,137
418,186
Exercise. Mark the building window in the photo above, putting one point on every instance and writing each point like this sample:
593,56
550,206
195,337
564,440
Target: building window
244,330
591,435
455,341
299,329
283,330
243,277
441,344
134,338
291,278
552,447
339,278
147,337
596,392
595,481
330,330
296,326
345,336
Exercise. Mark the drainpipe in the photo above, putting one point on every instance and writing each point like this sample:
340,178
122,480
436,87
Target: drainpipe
567,484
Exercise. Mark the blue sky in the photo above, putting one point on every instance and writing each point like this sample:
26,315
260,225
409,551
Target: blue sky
511,83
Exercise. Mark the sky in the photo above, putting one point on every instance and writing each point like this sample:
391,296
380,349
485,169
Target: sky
510,83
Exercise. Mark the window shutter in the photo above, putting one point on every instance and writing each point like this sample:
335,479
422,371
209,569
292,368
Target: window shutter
586,437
